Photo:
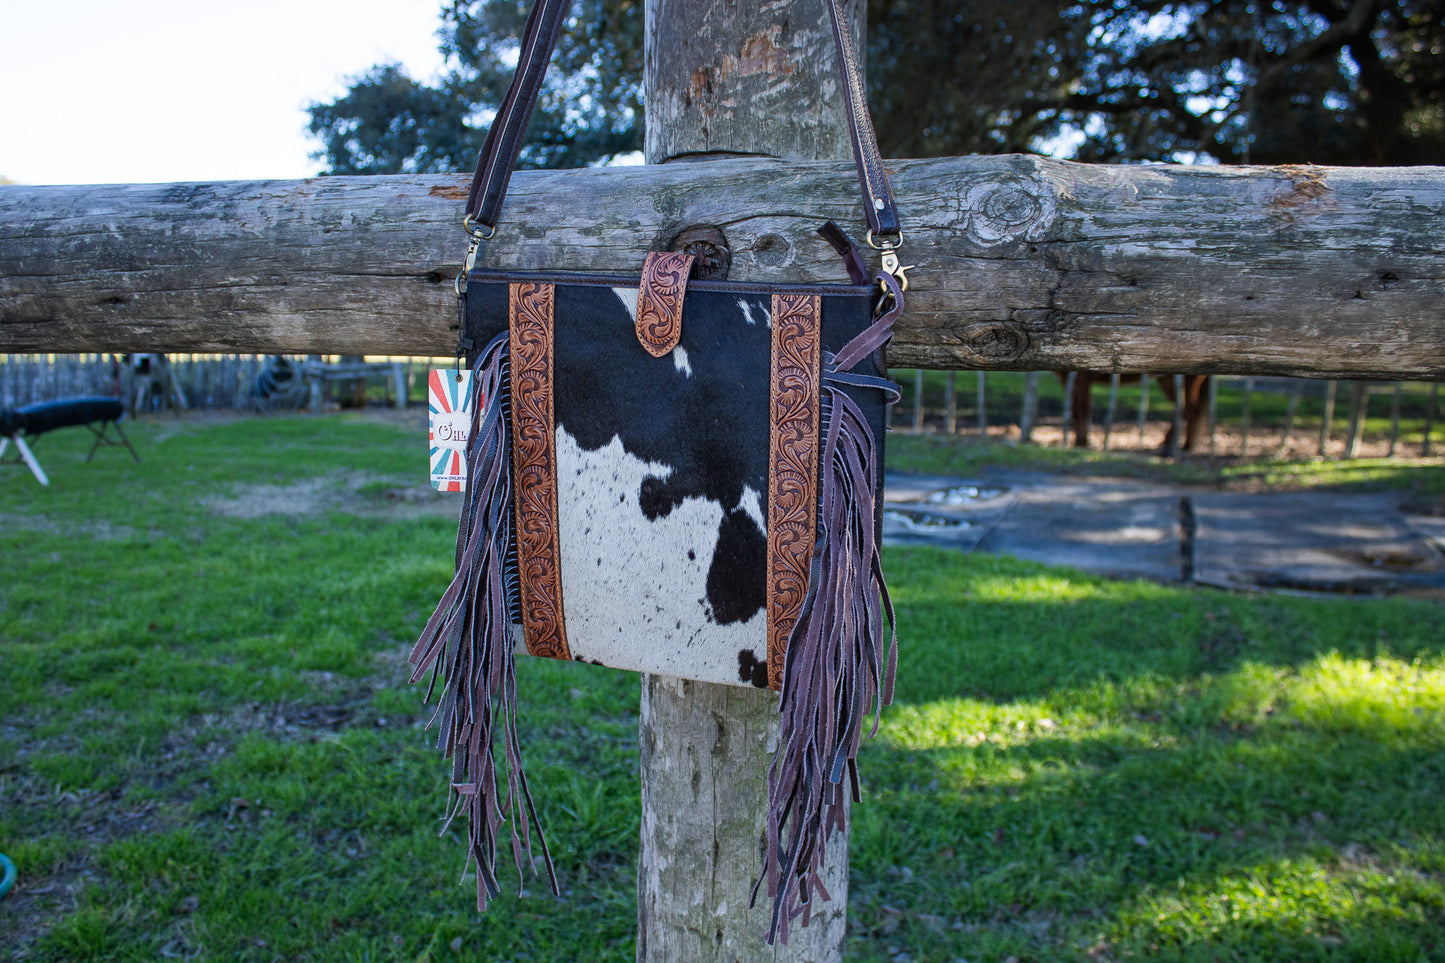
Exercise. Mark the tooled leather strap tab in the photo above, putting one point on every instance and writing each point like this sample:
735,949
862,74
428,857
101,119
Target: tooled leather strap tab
504,140
794,406
659,300
534,468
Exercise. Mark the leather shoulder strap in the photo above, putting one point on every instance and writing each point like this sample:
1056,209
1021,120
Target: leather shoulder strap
878,205
504,140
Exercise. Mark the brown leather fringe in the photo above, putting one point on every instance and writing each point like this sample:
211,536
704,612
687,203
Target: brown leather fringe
468,641
837,668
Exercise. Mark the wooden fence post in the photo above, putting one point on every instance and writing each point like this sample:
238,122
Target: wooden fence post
1213,412
1176,437
1143,414
1394,418
1244,416
1030,413
1113,404
950,403
1430,410
918,400
720,80
1327,418
1359,404
1296,390
983,404
1068,414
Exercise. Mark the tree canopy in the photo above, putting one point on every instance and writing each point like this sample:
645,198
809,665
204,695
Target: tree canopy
590,108
1234,81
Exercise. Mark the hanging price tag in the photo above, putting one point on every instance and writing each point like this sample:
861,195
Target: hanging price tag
449,401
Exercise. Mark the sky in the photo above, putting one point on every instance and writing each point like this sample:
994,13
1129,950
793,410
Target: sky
149,91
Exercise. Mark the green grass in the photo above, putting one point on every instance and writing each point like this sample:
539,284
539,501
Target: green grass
208,749
1155,773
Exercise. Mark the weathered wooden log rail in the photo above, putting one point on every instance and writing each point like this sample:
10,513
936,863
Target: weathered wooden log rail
1023,263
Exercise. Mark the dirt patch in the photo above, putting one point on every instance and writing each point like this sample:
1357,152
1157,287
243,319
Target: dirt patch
360,494
99,529
173,423
303,721
1303,443
343,703
309,496
93,819
31,909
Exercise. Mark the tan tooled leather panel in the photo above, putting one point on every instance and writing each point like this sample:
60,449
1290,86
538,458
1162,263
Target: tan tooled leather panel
792,467
534,461
659,300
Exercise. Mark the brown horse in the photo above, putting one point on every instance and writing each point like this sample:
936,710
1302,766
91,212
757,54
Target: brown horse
1195,400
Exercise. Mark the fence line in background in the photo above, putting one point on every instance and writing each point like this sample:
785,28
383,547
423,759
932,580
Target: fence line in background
1249,427
235,382
152,382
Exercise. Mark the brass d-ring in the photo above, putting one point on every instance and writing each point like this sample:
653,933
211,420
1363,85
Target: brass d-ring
470,226
885,245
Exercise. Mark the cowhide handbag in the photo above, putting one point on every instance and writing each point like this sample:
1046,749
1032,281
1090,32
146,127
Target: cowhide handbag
673,476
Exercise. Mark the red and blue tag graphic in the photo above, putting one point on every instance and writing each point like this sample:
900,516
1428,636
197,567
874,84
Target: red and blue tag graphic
449,401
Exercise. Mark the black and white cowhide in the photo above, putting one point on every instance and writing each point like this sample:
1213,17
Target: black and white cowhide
662,473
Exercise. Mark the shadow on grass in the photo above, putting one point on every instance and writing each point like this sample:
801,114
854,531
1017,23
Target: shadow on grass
1047,849
1000,629
1091,770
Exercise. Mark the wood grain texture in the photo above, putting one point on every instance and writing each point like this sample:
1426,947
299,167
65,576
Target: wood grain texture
1022,262
736,79
705,751
706,748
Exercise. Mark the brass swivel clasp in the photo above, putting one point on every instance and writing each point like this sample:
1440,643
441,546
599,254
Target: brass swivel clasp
477,234
891,264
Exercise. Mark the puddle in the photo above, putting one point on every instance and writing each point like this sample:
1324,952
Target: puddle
916,521
962,495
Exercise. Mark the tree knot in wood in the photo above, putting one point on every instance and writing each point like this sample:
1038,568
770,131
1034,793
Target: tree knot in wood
994,341
1005,211
709,246
773,250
